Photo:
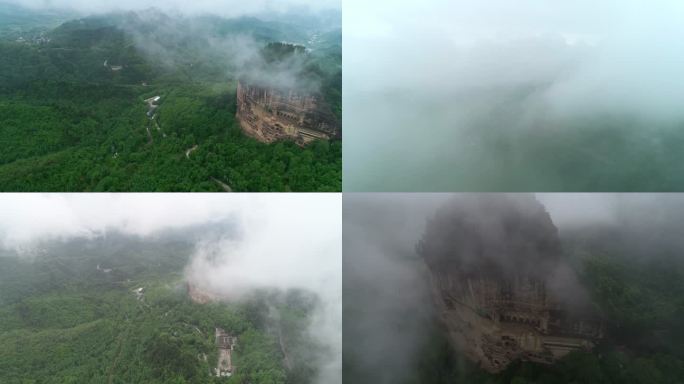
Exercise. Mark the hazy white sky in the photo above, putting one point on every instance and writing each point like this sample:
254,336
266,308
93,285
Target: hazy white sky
576,209
504,19
655,212
222,7
30,217
440,43
277,230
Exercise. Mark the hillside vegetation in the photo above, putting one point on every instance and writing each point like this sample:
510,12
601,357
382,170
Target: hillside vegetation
70,313
73,115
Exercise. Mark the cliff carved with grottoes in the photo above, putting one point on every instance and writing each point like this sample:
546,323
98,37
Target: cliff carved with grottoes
500,285
270,114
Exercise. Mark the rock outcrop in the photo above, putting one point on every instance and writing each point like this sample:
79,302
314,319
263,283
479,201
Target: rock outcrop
501,287
198,295
270,114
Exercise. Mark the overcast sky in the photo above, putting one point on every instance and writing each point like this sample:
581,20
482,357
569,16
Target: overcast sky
285,241
221,7
415,75
33,217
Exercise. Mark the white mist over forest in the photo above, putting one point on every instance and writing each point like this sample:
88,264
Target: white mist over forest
387,286
525,96
277,241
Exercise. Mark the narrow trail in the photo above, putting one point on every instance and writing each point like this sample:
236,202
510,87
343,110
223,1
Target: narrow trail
149,135
283,349
151,114
223,185
190,151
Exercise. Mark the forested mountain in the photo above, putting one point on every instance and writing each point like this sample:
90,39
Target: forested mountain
17,22
74,103
634,273
116,309
624,258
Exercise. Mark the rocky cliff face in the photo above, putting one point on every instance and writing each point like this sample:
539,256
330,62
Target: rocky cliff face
270,114
198,295
501,287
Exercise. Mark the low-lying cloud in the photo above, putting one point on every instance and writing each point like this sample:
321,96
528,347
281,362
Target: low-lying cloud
238,55
296,246
276,241
446,74
614,46
389,316
229,8
32,218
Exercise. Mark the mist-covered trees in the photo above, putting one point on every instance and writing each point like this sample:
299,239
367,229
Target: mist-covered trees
63,319
634,273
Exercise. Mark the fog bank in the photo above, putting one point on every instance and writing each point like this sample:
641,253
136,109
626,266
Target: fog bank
467,95
273,241
388,310
228,8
